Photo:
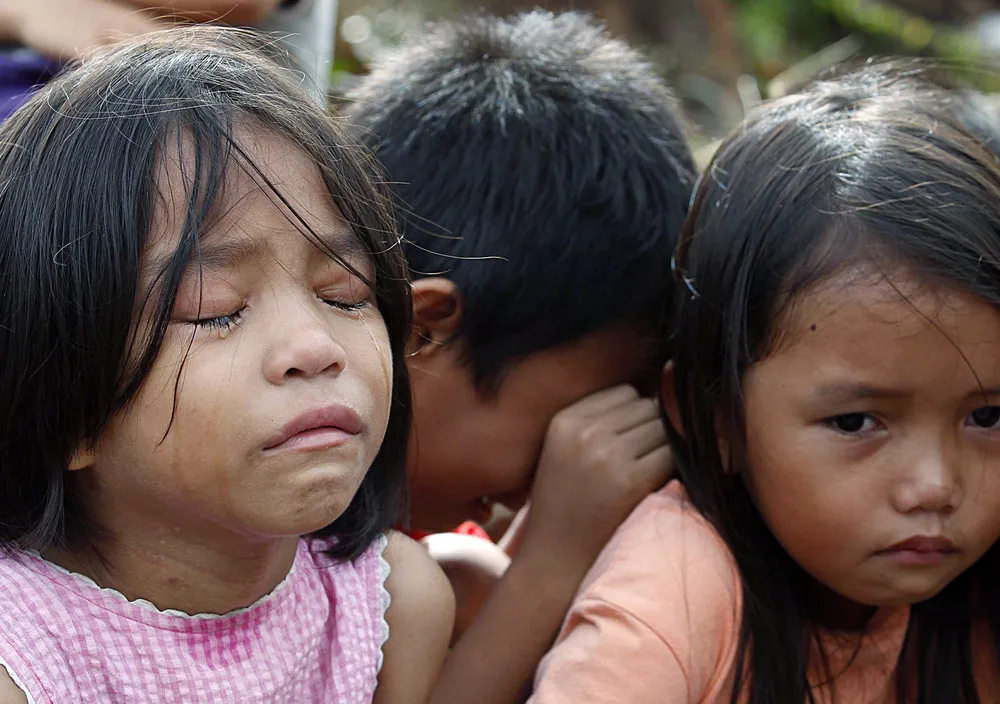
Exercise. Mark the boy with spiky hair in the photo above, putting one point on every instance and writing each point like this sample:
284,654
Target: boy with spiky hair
541,176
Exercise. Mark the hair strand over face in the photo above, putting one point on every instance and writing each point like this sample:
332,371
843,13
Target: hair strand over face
78,167
868,168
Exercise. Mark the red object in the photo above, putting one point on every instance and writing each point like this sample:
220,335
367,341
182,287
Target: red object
468,528
474,529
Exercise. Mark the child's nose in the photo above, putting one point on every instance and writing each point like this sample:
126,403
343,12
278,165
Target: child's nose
933,486
302,347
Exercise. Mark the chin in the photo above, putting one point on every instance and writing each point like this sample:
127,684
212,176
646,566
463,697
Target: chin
303,518
320,497
911,594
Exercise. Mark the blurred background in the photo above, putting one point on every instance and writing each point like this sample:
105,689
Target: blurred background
721,56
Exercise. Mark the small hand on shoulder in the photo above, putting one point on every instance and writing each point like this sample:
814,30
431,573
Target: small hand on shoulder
601,457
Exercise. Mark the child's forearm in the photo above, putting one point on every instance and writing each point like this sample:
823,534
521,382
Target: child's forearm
496,657
228,11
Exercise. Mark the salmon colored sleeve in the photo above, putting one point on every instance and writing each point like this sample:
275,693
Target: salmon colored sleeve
656,621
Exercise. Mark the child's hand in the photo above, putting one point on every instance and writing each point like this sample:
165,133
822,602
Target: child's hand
68,29
601,456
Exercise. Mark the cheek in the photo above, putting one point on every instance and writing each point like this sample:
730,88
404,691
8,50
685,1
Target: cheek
810,502
981,501
370,361
516,445
198,409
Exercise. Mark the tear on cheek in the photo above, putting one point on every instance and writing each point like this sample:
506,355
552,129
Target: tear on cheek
386,359
380,346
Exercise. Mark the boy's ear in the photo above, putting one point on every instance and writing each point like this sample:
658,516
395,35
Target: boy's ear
437,312
668,397
82,458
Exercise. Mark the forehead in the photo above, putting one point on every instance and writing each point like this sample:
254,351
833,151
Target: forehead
891,320
270,196
864,293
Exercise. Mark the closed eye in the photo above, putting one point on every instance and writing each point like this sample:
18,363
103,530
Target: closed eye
351,307
219,323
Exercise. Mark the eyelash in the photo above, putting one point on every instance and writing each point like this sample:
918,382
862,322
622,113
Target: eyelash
349,307
226,323
866,420
220,323
832,422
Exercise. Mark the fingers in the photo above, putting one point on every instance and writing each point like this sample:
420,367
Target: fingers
656,468
646,438
633,414
604,401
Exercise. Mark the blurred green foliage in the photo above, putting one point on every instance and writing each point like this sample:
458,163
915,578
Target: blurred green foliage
786,39
777,33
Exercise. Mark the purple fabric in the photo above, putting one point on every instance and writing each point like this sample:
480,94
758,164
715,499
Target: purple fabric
22,71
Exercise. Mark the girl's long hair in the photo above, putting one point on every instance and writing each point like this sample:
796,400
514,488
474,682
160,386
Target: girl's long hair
871,167
77,190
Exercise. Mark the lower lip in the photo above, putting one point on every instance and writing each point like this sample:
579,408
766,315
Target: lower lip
916,558
312,441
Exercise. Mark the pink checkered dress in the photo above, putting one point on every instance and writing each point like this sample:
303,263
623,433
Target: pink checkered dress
316,638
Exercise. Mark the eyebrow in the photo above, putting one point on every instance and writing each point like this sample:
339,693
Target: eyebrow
219,254
226,254
845,393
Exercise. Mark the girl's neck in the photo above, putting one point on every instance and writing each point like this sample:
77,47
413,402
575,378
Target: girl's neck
195,573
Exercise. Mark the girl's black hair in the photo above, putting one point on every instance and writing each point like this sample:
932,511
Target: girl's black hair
77,190
872,167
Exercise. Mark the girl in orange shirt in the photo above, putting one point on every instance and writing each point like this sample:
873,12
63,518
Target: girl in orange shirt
835,409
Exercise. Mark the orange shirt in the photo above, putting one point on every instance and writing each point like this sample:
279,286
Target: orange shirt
657,621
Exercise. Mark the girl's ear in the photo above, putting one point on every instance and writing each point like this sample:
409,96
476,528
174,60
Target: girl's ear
82,458
668,397
437,312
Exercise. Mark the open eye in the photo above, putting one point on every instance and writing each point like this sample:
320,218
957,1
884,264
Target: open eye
985,418
853,423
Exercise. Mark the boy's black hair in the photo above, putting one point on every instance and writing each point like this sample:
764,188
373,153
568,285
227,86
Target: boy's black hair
77,168
538,164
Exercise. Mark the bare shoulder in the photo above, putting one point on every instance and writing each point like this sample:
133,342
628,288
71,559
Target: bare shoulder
420,617
10,693
417,585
